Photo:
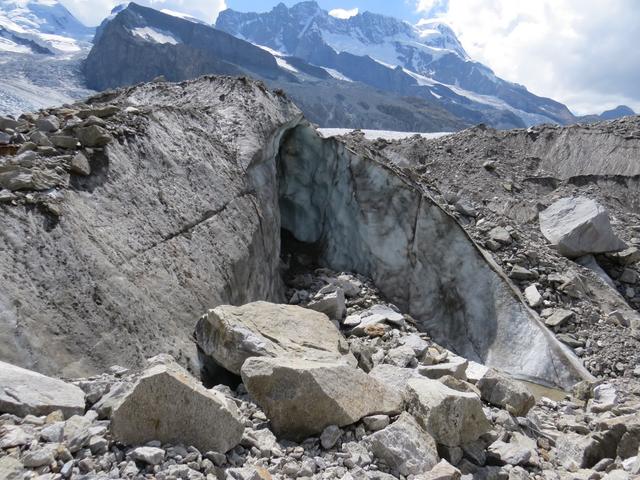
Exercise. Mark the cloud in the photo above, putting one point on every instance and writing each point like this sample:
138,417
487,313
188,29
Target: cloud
343,13
580,52
92,12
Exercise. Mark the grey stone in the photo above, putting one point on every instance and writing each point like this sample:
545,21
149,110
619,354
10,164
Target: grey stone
303,397
509,453
205,418
442,471
40,139
521,273
332,304
38,457
373,423
230,335
395,378
456,368
452,417
534,299
414,341
5,138
13,436
80,164
64,141
330,436
6,123
400,356
502,391
404,446
148,455
53,433
578,226
93,136
500,235
99,112
578,451
48,124
559,318
11,468
23,392
77,433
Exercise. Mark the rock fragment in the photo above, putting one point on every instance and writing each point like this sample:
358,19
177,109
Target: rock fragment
502,391
169,405
23,392
303,397
579,226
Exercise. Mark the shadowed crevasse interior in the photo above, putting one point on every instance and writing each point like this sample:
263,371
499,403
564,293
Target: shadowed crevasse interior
369,219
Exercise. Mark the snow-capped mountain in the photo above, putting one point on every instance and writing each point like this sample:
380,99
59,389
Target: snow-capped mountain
418,60
41,27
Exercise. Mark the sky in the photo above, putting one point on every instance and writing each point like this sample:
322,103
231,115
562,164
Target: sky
583,53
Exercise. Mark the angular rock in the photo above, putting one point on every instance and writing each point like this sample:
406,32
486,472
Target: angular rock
64,141
332,304
169,405
404,446
627,256
93,136
400,356
378,314
373,423
509,453
11,469
500,235
80,164
48,124
534,299
578,451
5,138
455,368
16,177
23,392
442,471
452,417
100,112
330,436
6,122
578,226
303,397
521,273
148,455
230,335
558,318
502,391
395,378
414,341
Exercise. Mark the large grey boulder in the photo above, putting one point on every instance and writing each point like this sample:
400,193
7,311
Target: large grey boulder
23,392
303,397
451,416
579,226
404,446
169,405
502,391
230,335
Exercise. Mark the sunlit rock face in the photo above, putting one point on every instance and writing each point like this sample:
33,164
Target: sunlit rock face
365,217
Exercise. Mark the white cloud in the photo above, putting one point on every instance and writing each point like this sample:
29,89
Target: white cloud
343,13
581,52
92,12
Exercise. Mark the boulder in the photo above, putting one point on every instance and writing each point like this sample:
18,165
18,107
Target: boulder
502,391
23,392
455,368
303,397
331,303
11,469
404,446
559,317
80,164
578,226
578,451
442,471
401,356
452,417
378,314
148,455
395,378
64,141
169,405
93,136
48,124
534,299
230,335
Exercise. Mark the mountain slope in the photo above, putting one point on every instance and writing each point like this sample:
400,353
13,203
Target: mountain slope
139,44
422,60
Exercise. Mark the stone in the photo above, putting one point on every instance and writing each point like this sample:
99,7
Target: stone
579,226
395,378
16,177
330,436
53,433
521,273
11,469
628,276
500,235
628,256
5,138
559,318
452,417
605,398
40,139
460,385
13,436
350,285
400,356
48,124
23,392
64,141
442,471
77,433
578,451
456,368
148,455
93,136
418,344
230,335
534,299
7,122
373,423
509,453
303,397
332,304
404,446
502,391
38,457
205,418
100,112
80,164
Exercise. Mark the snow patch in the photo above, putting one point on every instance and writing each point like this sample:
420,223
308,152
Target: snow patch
337,75
376,134
155,36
